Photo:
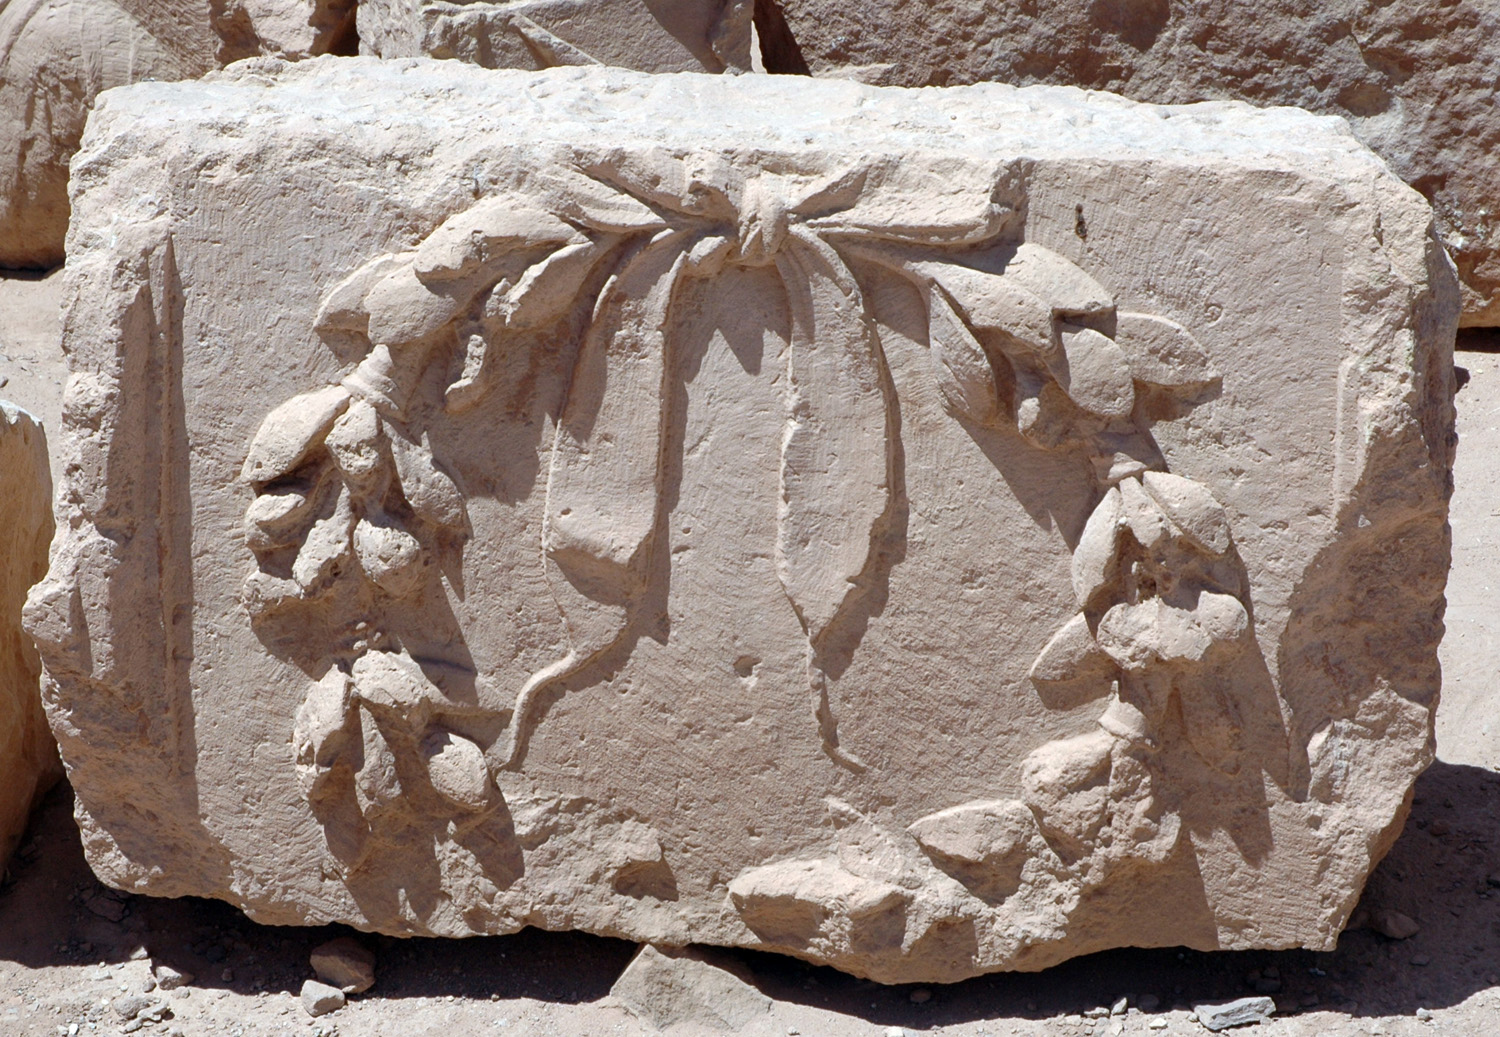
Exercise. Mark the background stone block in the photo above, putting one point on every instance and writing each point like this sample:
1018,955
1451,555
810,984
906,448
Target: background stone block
655,36
919,532
28,756
56,56
1416,79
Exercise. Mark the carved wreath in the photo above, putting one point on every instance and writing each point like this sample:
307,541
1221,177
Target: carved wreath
347,487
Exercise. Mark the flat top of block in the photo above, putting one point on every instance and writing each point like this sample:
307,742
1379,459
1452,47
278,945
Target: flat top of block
695,111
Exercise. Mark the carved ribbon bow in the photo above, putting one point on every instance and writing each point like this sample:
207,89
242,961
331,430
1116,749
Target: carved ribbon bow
604,489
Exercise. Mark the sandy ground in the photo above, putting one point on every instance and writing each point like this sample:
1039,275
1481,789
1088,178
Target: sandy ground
69,948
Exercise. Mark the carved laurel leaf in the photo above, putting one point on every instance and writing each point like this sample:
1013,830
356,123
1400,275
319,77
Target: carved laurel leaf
391,557
995,302
431,492
486,231
1192,509
327,548
280,518
1071,655
1096,559
550,287
1162,352
1059,281
403,309
964,375
1147,521
1096,376
323,732
343,308
394,681
292,431
358,445
585,201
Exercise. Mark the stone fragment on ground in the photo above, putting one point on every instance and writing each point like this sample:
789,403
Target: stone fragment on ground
1392,924
1415,79
320,999
57,56
1245,1011
169,978
669,986
678,509
28,755
345,963
678,36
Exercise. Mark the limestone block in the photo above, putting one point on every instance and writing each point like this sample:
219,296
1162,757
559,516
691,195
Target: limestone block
646,35
56,56
1416,78
922,532
28,757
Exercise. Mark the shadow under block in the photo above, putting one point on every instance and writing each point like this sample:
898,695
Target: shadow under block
924,532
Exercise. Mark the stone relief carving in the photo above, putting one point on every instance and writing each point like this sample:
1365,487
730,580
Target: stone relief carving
353,510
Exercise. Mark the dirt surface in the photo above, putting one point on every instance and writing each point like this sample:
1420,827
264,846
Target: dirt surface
70,950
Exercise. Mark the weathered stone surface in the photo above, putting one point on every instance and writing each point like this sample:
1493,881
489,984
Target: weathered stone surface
28,756
692,987
1416,79
923,532
646,35
56,56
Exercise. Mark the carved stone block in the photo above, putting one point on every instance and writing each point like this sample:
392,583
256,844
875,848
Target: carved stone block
1416,79
922,532
646,35
28,756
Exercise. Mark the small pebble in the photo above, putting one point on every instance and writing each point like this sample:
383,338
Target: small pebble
1424,1014
894,1031
921,996
1118,1008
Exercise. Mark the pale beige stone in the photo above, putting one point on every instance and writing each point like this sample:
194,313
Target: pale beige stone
646,35
706,509
56,56
28,757
691,988
1416,78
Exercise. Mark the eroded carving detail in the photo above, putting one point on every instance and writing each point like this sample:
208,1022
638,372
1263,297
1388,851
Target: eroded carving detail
352,505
